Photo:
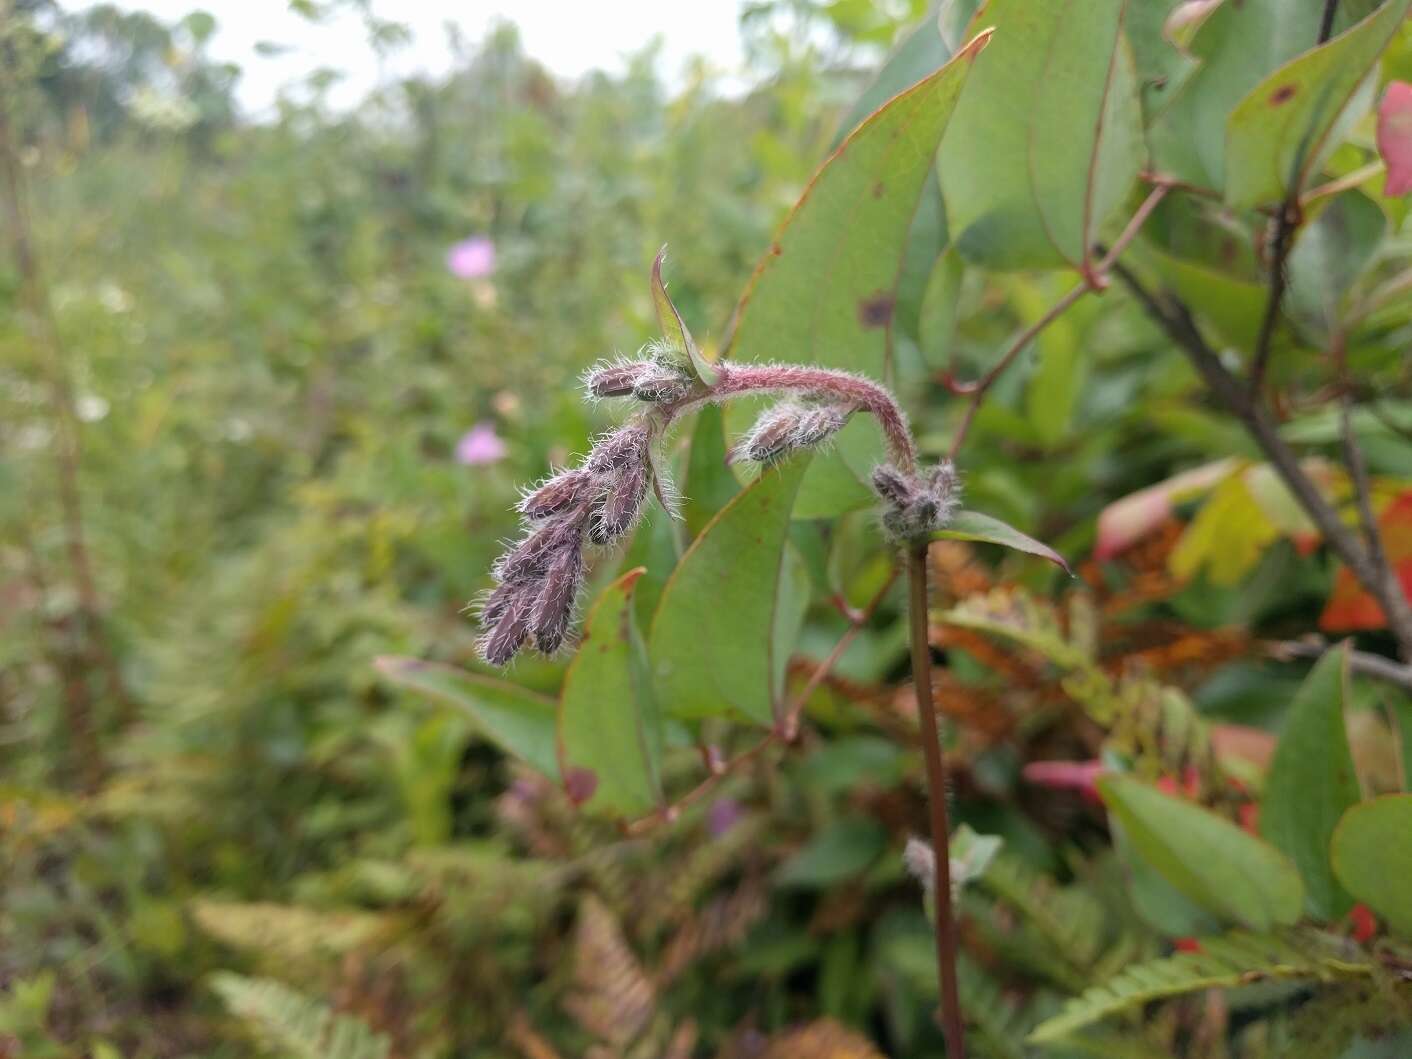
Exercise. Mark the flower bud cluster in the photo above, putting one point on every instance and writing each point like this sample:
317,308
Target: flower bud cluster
916,504
540,576
656,380
790,426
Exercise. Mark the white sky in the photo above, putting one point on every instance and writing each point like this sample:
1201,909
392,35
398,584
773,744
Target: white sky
568,36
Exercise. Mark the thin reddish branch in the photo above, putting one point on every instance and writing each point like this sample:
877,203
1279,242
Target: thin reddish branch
740,379
1095,279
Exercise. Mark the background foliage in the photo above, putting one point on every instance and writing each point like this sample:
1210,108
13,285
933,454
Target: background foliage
298,434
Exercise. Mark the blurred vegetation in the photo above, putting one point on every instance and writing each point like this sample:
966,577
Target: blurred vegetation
238,377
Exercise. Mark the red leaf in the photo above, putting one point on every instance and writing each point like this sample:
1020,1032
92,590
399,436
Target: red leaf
1350,607
1395,137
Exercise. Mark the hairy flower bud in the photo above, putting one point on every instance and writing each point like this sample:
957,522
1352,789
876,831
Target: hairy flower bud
617,510
661,386
533,554
616,379
626,445
819,424
773,433
508,634
915,505
559,493
554,606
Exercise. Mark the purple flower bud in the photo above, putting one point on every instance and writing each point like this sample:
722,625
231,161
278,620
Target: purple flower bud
892,486
624,446
773,433
616,380
498,601
661,386
499,645
555,604
819,424
557,494
616,512
532,555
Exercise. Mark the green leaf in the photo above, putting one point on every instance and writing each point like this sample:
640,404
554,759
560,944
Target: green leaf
608,720
709,481
295,1024
1233,306
674,328
1047,138
842,850
1236,46
973,526
1209,859
1225,962
940,312
516,720
1331,253
1086,144
826,292
791,606
1312,782
1372,857
712,643
1283,129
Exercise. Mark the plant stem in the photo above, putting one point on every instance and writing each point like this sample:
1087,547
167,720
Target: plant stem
936,796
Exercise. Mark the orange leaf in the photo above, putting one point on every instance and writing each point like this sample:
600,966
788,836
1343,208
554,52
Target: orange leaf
1350,606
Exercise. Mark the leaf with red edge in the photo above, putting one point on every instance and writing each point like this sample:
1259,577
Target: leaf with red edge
1125,522
1395,137
1351,607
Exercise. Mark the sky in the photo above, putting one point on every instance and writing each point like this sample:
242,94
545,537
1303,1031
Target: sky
570,37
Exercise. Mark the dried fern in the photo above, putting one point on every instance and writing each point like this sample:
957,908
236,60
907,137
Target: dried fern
1235,959
295,1024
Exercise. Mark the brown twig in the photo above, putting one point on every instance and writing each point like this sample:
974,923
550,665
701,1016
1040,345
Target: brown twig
1369,665
945,922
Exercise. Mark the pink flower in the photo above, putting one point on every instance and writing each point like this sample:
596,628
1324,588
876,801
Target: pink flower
1081,776
471,258
480,445
1395,137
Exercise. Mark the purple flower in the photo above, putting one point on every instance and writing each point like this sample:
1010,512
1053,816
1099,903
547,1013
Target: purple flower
471,258
723,815
479,445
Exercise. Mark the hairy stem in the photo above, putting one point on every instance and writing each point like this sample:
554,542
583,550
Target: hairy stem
945,923
737,380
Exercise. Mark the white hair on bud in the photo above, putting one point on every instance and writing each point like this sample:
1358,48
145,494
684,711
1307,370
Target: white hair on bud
920,859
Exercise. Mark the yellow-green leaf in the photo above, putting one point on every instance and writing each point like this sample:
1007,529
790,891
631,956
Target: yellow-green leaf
1372,857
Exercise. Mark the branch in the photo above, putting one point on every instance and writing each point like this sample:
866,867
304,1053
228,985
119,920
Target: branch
1095,279
1370,665
1175,318
1286,222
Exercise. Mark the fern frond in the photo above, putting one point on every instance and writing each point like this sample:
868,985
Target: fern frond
296,1024
1070,919
999,1025
1224,962
613,998
1015,615
824,1037
291,933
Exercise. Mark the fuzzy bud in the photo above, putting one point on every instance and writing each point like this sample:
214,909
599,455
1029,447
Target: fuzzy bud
626,445
559,493
773,433
661,386
499,645
616,512
617,379
820,423
915,505
554,606
532,555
